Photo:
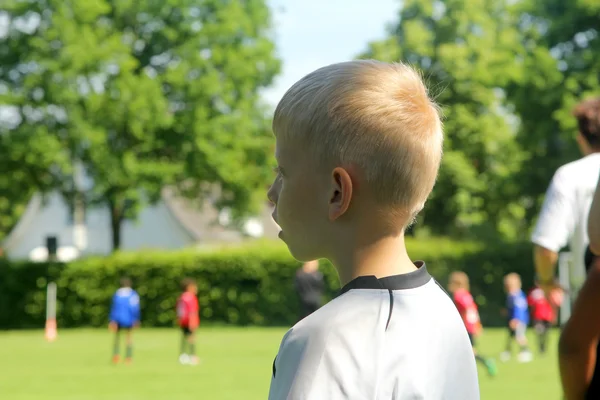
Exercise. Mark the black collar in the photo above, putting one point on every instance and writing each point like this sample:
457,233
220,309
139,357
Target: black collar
411,280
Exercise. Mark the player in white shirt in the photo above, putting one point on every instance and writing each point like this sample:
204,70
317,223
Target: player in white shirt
579,353
563,219
358,149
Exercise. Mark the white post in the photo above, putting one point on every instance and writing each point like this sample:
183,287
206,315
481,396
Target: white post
564,277
50,332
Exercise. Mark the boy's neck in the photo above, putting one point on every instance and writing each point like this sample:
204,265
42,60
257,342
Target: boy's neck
384,257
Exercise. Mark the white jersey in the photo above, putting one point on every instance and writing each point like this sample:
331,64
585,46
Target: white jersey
394,338
563,219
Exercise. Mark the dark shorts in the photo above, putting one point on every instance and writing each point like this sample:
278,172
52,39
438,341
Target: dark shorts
593,391
541,326
472,339
589,258
124,327
186,330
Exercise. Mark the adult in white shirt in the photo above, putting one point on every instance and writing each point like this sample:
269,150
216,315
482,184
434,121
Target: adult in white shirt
563,219
579,353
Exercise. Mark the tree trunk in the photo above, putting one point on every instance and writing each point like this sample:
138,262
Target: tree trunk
116,218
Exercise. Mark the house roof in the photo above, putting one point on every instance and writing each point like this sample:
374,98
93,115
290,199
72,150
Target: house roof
201,219
26,219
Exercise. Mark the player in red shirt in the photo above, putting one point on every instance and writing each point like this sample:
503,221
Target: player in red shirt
188,319
543,314
459,287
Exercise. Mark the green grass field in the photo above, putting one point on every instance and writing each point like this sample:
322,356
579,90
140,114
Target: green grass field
236,364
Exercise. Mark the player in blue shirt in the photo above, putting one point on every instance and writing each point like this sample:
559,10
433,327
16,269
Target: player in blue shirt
518,317
124,315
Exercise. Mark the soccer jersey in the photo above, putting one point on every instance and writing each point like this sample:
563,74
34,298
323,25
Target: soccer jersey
541,309
563,219
516,304
125,308
394,338
187,310
467,310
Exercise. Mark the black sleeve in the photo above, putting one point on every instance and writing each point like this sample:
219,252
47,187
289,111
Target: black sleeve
589,258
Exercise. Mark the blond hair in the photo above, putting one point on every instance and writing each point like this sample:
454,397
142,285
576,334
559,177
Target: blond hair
460,279
514,278
375,115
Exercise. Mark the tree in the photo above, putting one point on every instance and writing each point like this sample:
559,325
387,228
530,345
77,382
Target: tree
24,168
146,94
467,51
31,154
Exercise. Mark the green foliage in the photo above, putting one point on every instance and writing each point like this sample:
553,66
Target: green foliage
560,69
247,285
26,163
144,94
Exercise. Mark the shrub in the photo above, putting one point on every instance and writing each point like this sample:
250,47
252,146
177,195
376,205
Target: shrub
245,285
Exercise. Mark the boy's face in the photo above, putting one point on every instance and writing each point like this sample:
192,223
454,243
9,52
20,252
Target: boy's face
299,193
452,286
193,288
511,285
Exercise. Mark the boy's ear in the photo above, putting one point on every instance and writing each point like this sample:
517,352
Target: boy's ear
341,196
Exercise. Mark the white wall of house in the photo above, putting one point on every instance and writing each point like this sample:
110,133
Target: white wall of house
155,228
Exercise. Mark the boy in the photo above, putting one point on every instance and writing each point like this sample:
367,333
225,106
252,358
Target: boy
543,315
189,320
124,315
458,286
309,285
518,318
358,146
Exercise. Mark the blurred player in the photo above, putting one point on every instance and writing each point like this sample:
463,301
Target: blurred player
518,318
309,285
124,316
189,320
459,288
543,314
579,352
358,148
564,214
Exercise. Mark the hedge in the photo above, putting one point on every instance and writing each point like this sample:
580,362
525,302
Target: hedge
249,285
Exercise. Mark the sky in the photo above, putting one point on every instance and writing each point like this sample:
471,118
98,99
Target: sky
314,33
